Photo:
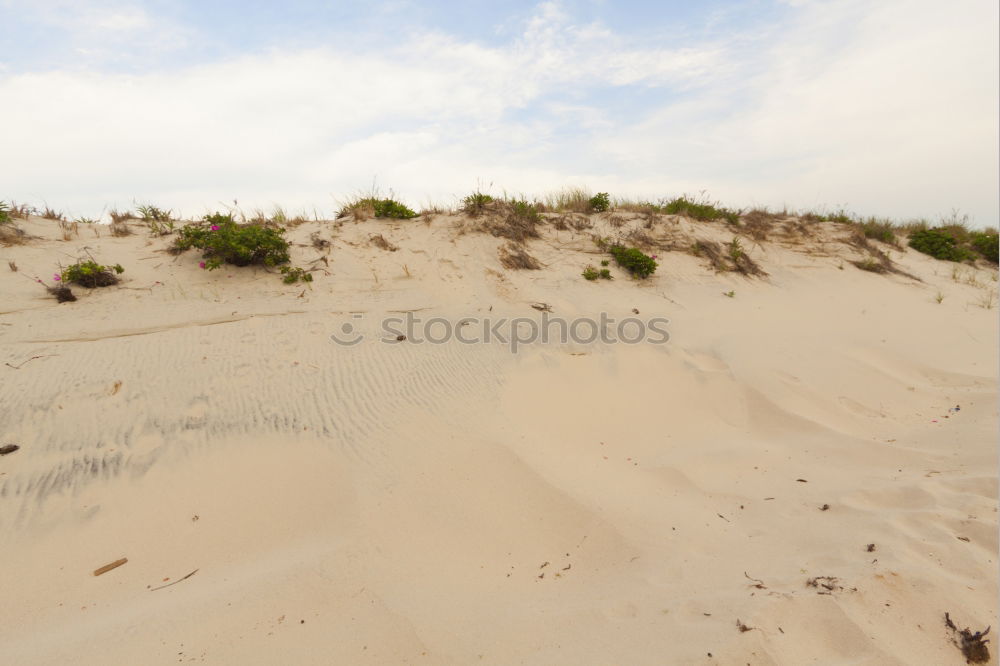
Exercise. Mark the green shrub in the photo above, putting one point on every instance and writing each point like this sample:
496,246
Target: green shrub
633,260
604,262
604,274
986,243
4,212
150,213
700,211
600,202
91,274
939,243
224,241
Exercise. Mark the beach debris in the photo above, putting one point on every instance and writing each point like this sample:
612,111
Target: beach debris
154,589
742,627
7,449
108,567
825,507
826,584
801,481
635,310
870,548
542,307
723,517
972,645
965,539
400,337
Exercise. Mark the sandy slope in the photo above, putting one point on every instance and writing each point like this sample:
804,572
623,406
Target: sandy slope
456,504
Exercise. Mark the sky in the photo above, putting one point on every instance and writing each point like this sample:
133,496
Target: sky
885,108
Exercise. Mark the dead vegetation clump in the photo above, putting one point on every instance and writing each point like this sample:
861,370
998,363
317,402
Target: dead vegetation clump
120,216
120,228
379,241
972,644
875,261
69,229
62,293
758,223
515,257
515,220
728,257
51,214
319,242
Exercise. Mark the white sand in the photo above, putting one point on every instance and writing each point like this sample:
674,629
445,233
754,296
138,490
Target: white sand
392,504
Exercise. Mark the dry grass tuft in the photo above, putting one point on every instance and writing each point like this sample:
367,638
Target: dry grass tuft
50,214
120,216
319,242
69,229
515,257
379,241
120,228
11,234
12,265
567,200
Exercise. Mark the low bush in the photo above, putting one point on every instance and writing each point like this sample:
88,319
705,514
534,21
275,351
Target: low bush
366,207
600,202
90,274
880,230
223,241
4,213
634,260
940,243
986,243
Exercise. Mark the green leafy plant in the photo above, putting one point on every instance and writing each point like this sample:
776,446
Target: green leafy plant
591,273
222,240
634,260
293,275
372,206
4,213
90,274
605,262
729,294
600,202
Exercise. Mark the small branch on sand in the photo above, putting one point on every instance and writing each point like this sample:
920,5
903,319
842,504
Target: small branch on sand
175,582
18,366
108,567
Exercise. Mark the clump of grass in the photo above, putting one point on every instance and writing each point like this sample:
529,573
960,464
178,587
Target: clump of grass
476,203
318,241
741,261
222,240
880,230
372,206
295,274
91,274
10,234
5,217
62,293
379,241
151,213
758,223
16,210
703,211
69,229
515,257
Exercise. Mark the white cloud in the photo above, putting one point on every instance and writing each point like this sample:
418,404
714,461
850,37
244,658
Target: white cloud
889,108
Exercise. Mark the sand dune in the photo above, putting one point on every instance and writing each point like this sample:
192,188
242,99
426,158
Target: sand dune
459,503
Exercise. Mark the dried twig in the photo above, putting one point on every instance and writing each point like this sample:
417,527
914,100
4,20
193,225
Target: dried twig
175,582
18,366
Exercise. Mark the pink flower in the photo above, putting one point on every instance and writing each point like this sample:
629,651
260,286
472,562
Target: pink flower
215,227
201,264
57,277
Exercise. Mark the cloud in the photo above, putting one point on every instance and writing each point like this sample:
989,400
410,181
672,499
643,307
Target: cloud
887,108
